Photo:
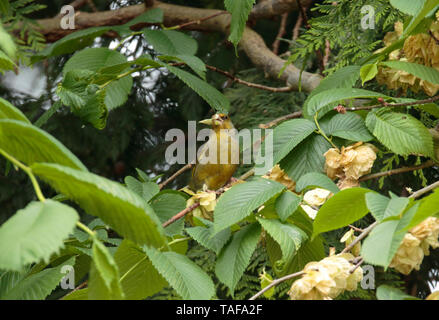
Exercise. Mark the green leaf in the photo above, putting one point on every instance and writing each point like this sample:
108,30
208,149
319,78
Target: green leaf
235,256
345,77
207,239
93,59
104,283
289,237
146,190
6,63
16,286
428,8
429,206
193,62
154,15
386,236
166,205
409,7
306,157
139,279
211,95
401,133
418,70
81,294
349,126
322,101
316,179
8,111
286,204
29,144
7,43
34,233
240,11
385,292
188,279
120,208
86,100
287,136
239,201
395,208
70,43
171,42
342,209
368,72
377,205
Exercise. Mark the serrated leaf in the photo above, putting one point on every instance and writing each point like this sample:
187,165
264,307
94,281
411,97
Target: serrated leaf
286,204
211,95
104,283
166,205
401,133
29,144
316,179
93,59
306,157
171,42
188,279
240,11
70,43
349,126
146,190
193,62
139,279
344,208
154,15
321,102
287,136
289,237
239,201
16,286
386,236
34,233
81,294
120,208
8,111
235,256
207,239
377,204
418,70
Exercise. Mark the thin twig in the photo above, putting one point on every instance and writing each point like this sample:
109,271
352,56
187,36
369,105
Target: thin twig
275,122
424,165
392,105
281,33
359,263
327,53
181,214
276,282
421,192
249,84
181,26
360,237
175,175
355,228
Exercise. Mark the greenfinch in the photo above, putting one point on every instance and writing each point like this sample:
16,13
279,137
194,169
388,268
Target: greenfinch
214,174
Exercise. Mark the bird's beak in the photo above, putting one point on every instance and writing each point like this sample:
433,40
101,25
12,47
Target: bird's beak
210,122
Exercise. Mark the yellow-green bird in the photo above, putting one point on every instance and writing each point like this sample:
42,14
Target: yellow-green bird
214,174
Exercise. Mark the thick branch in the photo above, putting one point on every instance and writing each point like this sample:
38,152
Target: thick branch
268,9
252,43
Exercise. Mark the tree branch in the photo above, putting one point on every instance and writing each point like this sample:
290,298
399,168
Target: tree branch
252,43
424,165
276,282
